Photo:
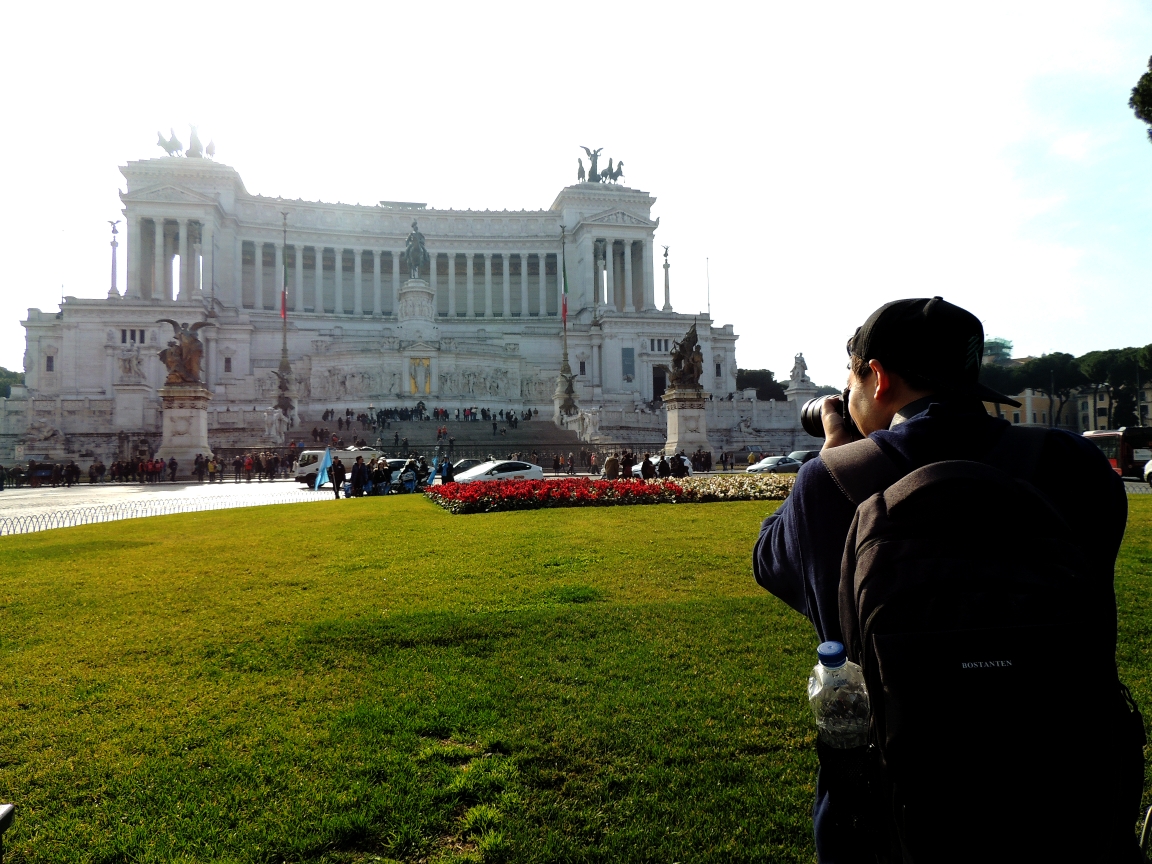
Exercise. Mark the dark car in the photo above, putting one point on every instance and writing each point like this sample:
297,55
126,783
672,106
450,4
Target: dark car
464,465
803,456
775,465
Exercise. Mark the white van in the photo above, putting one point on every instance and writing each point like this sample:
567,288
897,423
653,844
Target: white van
309,462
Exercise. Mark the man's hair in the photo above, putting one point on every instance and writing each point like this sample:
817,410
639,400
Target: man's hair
861,369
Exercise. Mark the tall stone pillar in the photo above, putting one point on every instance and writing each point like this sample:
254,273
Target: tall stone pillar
258,262
132,283
506,308
629,304
238,273
338,280
433,275
376,288
451,284
667,295
318,275
487,284
395,282
208,257
524,311
186,256
358,283
470,285
158,275
298,278
542,257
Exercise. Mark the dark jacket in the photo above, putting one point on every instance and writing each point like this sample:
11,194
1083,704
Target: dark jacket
798,554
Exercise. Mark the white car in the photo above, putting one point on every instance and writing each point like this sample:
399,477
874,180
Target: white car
655,460
503,469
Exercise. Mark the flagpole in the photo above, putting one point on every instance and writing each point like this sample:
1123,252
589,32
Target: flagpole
565,392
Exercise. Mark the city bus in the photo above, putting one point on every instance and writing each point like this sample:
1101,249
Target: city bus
1127,449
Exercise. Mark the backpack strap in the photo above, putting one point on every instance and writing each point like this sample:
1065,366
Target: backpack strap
860,469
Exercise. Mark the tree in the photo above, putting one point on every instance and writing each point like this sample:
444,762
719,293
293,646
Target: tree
764,380
7,379
1057,376
1141,99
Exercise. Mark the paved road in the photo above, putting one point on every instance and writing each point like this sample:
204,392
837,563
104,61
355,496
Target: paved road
26,500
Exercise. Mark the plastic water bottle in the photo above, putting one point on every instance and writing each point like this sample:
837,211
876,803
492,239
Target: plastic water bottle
839,699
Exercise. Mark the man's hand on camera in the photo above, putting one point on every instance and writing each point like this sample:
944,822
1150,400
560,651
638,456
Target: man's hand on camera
835,432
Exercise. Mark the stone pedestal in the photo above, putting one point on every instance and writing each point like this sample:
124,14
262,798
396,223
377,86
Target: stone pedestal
416,313
185,425
687,425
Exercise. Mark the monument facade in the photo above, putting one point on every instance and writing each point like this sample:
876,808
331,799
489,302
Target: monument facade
385,305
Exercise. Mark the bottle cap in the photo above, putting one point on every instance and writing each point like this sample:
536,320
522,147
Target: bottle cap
831,654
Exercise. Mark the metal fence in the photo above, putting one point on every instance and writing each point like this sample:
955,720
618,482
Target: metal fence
68,518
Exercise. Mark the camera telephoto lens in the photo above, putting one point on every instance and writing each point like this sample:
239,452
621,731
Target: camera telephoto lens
810,417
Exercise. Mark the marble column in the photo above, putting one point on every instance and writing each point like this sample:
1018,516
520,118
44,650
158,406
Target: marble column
610,269
158,279
629,304
298,281
648,275
376,282
338,279
208,259
451,284
543,285
433,279
470,285
258,260
238,272
318,300
487,284
358,283
184,250
395,283
524,311
132,283
506,309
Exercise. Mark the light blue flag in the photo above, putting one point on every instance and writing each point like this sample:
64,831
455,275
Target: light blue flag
322,469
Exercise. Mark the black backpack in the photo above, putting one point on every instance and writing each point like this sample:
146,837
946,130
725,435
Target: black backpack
1000,729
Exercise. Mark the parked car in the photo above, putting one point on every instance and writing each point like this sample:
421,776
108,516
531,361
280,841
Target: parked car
775,465
503,469
464,465
655,460
803,456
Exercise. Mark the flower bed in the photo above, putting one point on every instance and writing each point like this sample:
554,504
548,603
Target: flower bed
499,495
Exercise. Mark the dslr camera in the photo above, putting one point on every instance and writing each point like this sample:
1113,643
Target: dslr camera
811,415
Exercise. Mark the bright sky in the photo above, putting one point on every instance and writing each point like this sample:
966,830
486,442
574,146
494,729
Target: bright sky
825,157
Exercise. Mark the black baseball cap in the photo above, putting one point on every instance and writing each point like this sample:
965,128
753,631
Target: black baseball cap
931,339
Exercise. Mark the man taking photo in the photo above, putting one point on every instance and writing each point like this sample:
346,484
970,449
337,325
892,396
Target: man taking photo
967,566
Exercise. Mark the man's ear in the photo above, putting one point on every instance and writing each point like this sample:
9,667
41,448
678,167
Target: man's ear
883,384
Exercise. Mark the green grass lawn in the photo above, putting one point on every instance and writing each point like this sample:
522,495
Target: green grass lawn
377,679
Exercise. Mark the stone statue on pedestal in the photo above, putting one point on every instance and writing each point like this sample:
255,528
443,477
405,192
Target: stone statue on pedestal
183,355
414,252
687,362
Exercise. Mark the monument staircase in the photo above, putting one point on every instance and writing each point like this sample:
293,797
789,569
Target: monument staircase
472,439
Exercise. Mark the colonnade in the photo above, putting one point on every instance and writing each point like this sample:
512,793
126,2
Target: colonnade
323,295
621,277
152,277
614,279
